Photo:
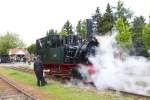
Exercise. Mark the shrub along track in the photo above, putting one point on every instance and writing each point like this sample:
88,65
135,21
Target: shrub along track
122,92
10,91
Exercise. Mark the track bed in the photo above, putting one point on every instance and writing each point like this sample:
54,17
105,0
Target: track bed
9,91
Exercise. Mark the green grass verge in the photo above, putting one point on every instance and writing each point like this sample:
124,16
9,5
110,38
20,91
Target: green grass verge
59,91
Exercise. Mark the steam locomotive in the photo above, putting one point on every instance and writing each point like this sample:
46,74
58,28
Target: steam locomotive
61,56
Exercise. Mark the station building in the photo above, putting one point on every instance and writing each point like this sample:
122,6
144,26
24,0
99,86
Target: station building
18,54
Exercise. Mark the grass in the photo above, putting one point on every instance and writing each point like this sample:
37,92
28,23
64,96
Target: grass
60,91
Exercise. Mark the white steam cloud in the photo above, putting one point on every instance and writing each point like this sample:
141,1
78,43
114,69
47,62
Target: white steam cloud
117,70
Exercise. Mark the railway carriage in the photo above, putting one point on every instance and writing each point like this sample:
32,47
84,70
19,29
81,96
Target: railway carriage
4,58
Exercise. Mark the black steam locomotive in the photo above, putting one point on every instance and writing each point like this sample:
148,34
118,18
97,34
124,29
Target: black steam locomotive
61,55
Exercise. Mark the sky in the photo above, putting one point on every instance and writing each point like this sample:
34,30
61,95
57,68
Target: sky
32,18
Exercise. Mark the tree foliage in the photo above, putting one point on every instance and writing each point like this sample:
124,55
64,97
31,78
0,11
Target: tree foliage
81,28
8,41
51,32
146,36
137,29
103,23
32,49
62,32
97,19
122,12
124,36
108,20
66,29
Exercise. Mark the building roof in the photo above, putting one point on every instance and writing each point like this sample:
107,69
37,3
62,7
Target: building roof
17,51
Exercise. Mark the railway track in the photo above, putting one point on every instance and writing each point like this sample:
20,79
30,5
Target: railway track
135,95
23,69
9,91
125,93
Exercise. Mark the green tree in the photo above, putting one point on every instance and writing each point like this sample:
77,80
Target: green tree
124,36
8,41
108,20
137,28
67,28
62,32
146,37
81,28
122,12
149,18
97,19
32,49
51,32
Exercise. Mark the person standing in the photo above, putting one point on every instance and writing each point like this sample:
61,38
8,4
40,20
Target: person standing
38,69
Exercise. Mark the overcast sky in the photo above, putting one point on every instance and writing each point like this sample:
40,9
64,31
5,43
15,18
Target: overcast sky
32,18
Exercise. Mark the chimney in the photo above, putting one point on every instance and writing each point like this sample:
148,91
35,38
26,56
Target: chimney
89,26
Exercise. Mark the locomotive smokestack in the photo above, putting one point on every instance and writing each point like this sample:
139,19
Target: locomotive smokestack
89,26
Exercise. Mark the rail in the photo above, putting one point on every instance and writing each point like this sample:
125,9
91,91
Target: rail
17,88
146,97
23,69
